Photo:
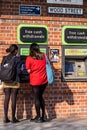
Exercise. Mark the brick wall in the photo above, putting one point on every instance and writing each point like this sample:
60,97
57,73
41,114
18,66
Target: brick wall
8,7
63,99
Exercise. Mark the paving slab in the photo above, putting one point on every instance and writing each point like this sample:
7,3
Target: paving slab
55,124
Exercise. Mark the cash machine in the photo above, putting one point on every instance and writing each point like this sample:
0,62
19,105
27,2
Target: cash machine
27,34
23,53
74,53
74,67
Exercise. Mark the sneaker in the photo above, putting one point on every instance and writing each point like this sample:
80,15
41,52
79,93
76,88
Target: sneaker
39,120
36,119
33,119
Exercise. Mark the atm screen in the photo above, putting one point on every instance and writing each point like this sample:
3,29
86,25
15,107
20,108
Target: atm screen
69,67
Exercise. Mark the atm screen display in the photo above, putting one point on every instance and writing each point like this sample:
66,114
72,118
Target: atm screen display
69,67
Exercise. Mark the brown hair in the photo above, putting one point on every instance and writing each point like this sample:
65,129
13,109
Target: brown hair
35,51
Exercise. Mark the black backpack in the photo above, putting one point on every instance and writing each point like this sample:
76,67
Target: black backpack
8,70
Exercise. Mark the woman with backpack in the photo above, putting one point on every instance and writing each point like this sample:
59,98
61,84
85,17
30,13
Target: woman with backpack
11,87
36,66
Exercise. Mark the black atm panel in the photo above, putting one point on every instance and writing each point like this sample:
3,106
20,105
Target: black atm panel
24,75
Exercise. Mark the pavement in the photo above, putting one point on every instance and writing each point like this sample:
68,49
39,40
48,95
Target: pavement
55,124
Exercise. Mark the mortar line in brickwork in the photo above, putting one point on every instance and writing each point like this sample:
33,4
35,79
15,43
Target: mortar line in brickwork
38,20
60,19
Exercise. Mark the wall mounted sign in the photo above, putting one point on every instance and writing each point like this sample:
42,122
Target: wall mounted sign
32,34
62,10
71,2
29,10
54,55
74,35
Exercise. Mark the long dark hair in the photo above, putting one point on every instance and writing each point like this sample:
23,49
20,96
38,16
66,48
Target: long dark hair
12,48
35,51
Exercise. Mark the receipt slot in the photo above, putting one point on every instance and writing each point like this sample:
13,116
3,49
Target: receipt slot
74,65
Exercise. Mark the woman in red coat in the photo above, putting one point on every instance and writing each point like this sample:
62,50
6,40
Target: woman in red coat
36,66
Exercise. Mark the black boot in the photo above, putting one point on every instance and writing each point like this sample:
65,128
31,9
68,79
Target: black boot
14,120
44,118
6,120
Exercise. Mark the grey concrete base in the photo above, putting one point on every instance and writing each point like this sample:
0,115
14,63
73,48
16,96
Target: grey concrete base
55,124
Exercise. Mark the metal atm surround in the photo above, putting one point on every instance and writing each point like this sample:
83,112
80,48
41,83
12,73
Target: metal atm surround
74,67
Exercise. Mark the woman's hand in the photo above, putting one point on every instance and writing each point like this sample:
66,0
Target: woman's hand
28,71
